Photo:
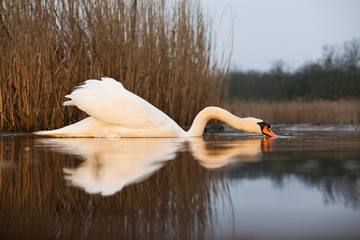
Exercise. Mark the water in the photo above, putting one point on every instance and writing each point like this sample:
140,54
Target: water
303,185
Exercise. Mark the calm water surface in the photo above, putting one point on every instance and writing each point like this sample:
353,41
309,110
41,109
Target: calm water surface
303,185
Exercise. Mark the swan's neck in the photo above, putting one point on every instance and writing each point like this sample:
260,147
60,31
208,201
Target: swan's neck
197,128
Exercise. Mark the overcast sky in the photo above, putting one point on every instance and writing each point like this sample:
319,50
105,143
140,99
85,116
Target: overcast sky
291,30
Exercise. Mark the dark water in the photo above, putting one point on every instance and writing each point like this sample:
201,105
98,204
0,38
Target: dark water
303,185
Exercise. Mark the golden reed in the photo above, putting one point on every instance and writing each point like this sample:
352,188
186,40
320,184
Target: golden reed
159,50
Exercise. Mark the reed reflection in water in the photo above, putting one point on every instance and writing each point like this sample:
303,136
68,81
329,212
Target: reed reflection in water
172,198
211,187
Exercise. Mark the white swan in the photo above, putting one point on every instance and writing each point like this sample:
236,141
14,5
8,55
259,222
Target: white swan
116,112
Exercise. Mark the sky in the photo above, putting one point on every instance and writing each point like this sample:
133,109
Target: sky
294,31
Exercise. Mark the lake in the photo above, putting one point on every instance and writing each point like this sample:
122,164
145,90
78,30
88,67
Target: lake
305,184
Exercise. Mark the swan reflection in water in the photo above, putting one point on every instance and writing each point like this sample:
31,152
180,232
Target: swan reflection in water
111,164
218,154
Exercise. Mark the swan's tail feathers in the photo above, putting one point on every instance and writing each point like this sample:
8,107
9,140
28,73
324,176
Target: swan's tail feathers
52,133
79,129
67,131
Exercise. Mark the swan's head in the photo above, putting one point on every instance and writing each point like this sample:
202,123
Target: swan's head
254,125
265,129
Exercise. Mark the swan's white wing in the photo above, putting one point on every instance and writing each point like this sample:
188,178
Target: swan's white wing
109,102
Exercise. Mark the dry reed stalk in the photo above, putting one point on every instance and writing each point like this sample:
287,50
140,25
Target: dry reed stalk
299,111
158,50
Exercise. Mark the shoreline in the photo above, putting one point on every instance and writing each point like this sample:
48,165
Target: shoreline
343,111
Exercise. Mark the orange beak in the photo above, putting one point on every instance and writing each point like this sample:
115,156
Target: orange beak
267,132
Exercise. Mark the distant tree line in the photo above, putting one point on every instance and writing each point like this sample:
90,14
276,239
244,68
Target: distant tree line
335,75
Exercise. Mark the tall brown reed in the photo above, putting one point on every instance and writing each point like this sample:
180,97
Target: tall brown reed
161,51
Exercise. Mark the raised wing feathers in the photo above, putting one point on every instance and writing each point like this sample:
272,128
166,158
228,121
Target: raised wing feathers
109,102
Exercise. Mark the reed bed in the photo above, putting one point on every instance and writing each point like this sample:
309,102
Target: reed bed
160,50
345,111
